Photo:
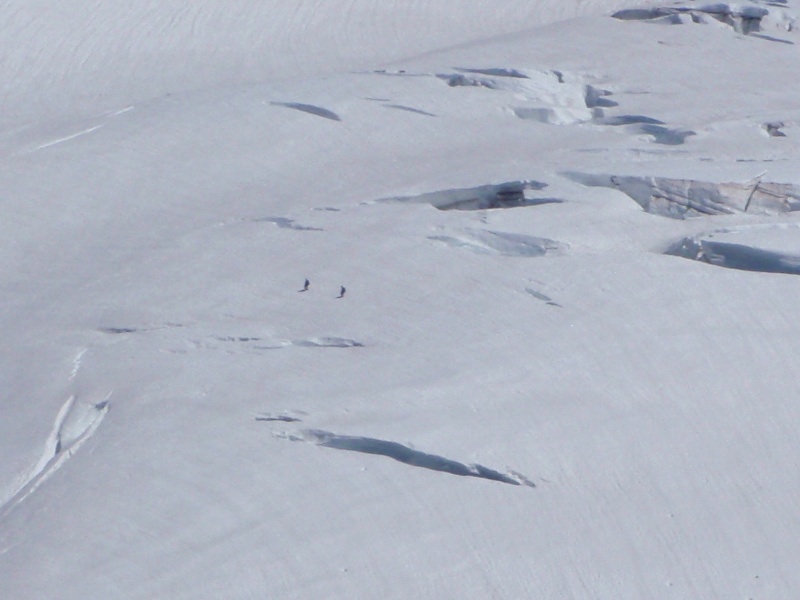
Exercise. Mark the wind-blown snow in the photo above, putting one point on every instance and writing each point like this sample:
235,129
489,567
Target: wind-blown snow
488,182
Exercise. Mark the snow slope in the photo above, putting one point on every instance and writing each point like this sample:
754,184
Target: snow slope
564,365
73,56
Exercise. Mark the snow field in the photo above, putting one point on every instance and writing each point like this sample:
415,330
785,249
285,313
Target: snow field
506,319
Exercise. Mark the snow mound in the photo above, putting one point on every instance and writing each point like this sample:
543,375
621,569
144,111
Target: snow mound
559,98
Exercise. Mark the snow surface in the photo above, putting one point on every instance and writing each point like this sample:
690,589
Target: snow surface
527,390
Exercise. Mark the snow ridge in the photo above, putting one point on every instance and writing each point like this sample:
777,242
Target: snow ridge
72,427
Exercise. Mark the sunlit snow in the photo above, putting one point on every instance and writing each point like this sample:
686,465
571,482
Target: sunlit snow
399,299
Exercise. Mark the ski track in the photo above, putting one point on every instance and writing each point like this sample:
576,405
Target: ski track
67,138
76,364
235,344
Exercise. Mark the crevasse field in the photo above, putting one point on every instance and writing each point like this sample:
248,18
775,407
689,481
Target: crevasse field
565,365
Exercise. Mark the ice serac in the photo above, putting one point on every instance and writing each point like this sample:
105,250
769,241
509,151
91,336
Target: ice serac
743,19
685,198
